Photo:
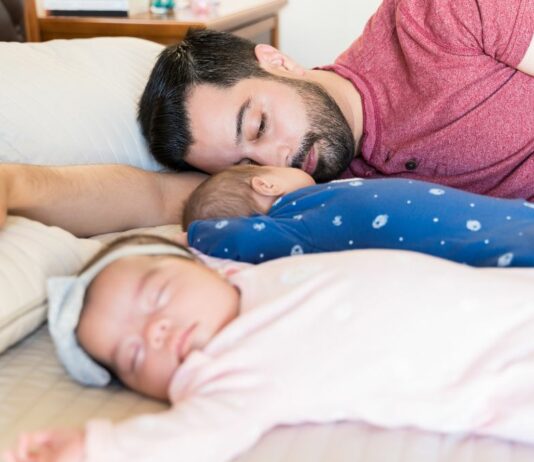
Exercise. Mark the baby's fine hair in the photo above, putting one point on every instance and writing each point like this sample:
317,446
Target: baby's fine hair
131,239
227,194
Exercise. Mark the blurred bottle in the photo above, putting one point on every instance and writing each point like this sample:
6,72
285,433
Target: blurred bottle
161,6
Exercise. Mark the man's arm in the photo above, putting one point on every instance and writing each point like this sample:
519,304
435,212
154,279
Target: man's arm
527,63
94,199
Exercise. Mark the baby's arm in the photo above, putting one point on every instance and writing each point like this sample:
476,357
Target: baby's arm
250,239
201,430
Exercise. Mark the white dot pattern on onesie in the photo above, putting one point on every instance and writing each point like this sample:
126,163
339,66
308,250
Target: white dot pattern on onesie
380,221
297,250
468,217
221,224
505,260
473,225
300,274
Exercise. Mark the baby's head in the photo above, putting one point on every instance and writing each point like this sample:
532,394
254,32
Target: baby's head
242,190
137,310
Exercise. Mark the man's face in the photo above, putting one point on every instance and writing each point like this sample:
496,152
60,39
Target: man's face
269,121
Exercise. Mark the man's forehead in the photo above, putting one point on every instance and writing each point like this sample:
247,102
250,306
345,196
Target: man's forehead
212,116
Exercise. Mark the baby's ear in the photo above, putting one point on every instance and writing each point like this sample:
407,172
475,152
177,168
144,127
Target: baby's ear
265,187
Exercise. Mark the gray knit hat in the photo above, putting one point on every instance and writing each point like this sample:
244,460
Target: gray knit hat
65,300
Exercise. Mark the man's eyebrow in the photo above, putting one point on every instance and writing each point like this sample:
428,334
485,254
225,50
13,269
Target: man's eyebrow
239,120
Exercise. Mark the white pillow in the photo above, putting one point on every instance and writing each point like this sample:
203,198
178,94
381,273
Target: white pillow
30,252
74,101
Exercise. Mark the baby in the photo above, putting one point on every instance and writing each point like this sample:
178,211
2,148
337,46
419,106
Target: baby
245,348
254,214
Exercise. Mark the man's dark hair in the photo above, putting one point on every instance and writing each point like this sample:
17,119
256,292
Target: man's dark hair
203,57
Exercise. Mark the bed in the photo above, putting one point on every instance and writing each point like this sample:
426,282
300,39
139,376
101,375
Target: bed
40,84
35,392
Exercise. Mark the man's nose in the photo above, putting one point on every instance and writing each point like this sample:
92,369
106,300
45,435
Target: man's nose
157,332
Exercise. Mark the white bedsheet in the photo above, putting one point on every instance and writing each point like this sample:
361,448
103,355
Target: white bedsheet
36,393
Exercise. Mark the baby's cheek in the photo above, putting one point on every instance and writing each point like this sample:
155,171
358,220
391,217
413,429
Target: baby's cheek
153,378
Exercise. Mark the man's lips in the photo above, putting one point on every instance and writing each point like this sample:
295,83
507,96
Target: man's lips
310,162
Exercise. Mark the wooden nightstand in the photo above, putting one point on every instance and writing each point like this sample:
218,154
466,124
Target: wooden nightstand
256,20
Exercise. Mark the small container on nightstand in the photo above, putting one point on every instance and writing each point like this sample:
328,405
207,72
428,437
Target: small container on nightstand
161,6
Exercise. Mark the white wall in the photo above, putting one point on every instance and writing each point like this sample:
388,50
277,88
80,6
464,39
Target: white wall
314,32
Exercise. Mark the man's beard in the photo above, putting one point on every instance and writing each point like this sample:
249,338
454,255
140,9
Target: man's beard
328,129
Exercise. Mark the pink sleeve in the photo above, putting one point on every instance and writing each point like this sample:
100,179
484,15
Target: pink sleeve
194,432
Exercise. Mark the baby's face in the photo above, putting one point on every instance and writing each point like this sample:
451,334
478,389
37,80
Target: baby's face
145,314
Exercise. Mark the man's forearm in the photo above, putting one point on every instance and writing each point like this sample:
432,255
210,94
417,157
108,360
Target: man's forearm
88,200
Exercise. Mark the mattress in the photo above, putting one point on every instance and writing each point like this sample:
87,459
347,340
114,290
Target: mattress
35,393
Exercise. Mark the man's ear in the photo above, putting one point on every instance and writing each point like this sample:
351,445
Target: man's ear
265,187
274,61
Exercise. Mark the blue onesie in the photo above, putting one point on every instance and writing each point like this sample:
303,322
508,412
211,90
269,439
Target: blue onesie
387,214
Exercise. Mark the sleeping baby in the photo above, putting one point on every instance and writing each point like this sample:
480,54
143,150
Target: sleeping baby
313,338
254,213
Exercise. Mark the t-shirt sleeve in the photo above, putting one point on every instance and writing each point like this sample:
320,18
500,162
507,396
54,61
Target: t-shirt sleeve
507,28
249,239
499,29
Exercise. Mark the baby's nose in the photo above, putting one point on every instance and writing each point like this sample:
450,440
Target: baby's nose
158,332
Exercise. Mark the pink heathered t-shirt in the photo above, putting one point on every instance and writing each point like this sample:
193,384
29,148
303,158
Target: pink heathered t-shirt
442,99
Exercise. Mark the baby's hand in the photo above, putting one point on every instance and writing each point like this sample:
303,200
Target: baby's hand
48,446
